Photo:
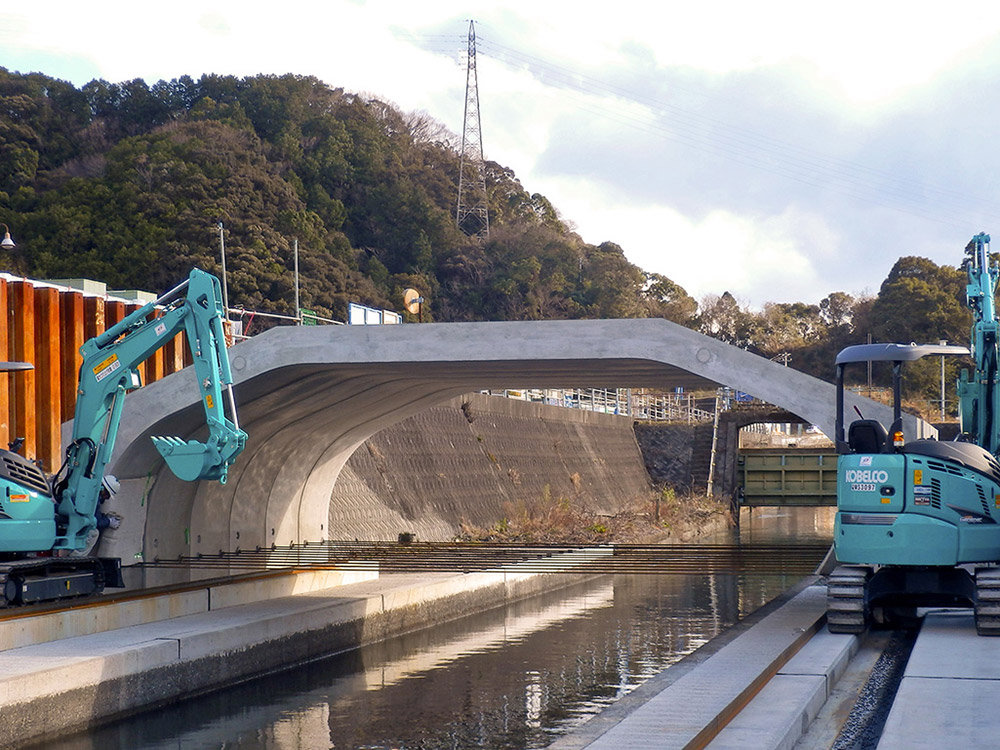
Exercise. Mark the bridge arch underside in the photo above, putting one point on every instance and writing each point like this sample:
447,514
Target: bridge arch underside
304,424
305,417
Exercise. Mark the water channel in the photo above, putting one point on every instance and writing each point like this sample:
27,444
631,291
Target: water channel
510,678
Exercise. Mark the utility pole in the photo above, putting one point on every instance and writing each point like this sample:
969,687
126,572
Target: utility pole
225,282
472,216
298,309
942,342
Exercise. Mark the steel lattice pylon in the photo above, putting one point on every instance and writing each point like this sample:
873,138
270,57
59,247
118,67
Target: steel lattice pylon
472,215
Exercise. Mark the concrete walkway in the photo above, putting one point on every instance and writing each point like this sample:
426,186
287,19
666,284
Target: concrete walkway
950,689
750,694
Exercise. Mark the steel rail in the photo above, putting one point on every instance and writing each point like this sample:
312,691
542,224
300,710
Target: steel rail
461,557
546,558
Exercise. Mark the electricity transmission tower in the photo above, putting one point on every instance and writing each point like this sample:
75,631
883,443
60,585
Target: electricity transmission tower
472,216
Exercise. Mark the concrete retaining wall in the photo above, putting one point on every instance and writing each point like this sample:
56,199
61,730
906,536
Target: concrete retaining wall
472,459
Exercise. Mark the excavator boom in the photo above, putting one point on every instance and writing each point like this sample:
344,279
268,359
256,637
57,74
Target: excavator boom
108,373
979,394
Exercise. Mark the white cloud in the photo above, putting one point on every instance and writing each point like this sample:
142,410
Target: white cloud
762,259
871,49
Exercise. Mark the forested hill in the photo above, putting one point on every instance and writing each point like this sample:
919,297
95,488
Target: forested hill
127,183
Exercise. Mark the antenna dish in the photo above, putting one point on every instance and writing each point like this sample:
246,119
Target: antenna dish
412,301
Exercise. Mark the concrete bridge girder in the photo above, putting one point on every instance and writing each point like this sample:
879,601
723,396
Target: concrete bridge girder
309,396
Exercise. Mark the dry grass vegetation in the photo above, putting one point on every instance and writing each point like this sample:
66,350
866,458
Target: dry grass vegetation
549,520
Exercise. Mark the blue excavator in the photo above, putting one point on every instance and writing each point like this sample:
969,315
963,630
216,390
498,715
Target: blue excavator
48,523
918,521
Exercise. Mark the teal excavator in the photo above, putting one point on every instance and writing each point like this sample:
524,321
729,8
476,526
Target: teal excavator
48,523
918,521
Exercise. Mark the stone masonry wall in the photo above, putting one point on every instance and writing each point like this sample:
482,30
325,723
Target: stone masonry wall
465,460
676,455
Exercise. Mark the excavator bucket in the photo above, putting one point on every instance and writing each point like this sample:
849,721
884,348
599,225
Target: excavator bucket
191,460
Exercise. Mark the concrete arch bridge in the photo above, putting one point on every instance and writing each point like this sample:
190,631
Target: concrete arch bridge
309,396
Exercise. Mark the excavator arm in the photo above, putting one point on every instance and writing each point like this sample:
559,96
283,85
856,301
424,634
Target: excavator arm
108,373
979,394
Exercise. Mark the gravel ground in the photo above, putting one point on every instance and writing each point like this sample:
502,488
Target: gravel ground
864,724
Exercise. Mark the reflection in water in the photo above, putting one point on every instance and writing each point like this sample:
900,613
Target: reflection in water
513,678
778,525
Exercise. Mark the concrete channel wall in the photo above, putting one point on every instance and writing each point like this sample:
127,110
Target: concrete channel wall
470,460
74,681
676,455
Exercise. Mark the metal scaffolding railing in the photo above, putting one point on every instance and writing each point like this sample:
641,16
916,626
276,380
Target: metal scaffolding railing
241,321
660,407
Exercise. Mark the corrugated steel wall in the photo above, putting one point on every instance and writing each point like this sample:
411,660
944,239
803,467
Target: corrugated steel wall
46,326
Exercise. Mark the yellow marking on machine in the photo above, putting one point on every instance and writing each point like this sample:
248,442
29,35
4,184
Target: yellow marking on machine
105,368
918,477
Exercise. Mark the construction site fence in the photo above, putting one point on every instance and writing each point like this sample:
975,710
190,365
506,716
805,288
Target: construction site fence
46,324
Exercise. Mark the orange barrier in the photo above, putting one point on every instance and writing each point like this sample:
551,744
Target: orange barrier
46,325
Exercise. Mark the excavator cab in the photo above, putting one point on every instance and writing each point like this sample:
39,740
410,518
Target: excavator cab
918,521
870,435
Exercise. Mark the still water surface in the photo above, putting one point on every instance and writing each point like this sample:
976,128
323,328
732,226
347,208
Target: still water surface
512,678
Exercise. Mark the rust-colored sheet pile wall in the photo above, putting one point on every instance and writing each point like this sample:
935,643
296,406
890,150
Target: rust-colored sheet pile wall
45,326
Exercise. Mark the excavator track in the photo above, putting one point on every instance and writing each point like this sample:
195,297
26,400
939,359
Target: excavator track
846,609
988,601
51,578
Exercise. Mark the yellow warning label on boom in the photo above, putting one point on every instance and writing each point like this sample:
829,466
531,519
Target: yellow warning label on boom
105,368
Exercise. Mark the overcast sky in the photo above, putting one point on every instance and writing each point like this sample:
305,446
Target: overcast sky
777,150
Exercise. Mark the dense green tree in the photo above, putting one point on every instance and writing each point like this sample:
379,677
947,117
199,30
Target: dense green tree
41,124
667,299
612,286
722,317
783,327
921,301
837,309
